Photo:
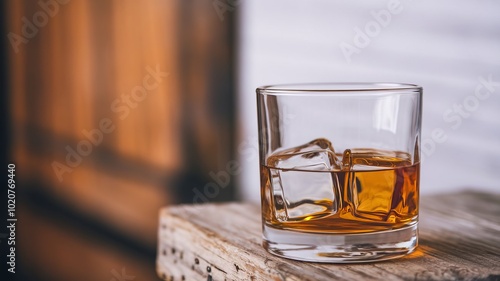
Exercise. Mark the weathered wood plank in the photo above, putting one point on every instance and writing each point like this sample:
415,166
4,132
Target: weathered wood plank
459,240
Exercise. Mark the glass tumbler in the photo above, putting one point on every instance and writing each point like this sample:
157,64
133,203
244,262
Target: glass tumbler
339,168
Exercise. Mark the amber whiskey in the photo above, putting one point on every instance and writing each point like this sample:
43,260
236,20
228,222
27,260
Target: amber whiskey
310,189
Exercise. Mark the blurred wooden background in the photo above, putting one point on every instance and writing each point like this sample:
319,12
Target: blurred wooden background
102,215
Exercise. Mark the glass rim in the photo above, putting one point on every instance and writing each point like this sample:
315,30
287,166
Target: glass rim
339,87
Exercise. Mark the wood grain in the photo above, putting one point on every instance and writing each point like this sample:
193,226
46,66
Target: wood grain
459,240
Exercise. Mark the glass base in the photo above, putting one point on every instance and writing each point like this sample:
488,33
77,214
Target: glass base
341,248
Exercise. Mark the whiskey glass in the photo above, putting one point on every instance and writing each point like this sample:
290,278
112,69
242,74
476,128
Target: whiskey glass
339,168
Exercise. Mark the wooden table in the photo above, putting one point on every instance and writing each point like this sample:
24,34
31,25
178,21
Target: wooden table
459,240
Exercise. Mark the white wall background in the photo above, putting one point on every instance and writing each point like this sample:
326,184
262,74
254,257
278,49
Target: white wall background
445,46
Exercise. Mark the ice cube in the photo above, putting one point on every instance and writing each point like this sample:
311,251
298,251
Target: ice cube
372,193
373,180
304,187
